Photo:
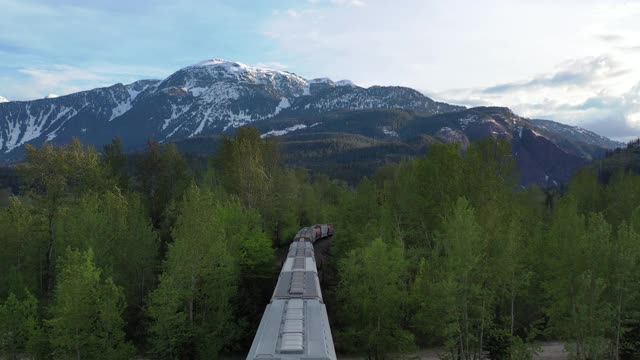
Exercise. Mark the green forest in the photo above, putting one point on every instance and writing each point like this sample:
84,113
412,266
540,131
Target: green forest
157,255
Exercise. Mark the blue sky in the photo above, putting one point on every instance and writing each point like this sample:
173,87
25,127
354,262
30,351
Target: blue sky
574,61
61,46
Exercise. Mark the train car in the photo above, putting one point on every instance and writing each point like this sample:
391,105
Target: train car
314,233
307,233
324,230
311,233
295,323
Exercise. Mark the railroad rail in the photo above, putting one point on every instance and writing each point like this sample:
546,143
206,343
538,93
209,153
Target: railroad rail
295,324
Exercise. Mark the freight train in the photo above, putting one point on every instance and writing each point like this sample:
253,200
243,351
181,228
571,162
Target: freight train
295,323
315,232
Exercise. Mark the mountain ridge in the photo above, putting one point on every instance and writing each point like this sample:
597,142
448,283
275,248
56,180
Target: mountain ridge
210,97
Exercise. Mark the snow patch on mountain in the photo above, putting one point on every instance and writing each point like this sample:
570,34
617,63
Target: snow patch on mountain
121,105
240,119
283,131
321,81
216,94
197,91
176,112
63,116
51,96
3,100
345,83
121,108
134,90
284,104
387,131
19,131
475,119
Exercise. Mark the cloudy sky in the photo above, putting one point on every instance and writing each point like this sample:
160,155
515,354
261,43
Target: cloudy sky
577,62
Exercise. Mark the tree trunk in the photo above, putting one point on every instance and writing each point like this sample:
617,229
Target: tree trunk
48,270
481,331
618,326
461,355
191,300
467,347
142,289
513,300
77,345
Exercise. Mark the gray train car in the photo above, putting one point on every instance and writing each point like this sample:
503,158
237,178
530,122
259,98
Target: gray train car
295,323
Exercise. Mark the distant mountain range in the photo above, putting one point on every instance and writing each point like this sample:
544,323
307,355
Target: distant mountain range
197,103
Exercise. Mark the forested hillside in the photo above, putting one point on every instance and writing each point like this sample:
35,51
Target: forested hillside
108,256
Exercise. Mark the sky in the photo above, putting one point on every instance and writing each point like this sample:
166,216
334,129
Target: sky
573,61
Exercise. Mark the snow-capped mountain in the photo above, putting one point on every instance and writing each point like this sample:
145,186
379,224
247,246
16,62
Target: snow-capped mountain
211,97
3,99
85,114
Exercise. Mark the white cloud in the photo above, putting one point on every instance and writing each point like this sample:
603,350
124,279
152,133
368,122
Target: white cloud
634,119
543,58
581,92
59,79
356,3
274,65
65,79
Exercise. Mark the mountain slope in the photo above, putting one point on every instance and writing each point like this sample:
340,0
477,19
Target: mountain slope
350,144
60,119
623,159
574,134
